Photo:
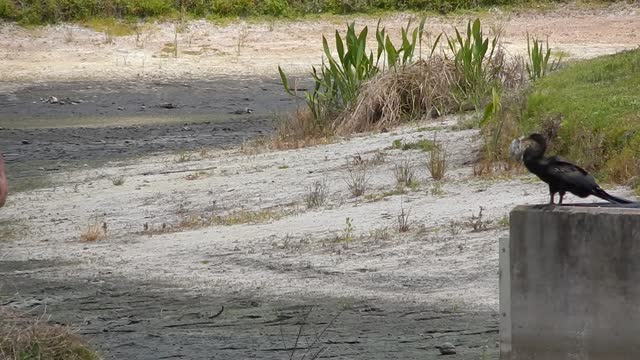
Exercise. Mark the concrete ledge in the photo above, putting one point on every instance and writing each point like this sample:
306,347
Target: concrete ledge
570,283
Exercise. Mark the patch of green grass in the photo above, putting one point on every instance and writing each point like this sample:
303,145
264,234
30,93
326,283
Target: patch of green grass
51,11
183,156
11,230
112,26
380,196
591,111
28,184
249,217
504,222
424,145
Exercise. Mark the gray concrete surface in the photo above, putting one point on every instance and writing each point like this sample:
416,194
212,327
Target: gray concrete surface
570,284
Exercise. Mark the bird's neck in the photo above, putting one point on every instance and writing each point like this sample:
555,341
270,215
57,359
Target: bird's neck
533,159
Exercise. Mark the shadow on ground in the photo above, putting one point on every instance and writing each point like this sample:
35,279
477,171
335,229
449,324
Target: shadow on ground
149,320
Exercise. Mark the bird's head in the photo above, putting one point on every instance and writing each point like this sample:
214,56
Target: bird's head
520,145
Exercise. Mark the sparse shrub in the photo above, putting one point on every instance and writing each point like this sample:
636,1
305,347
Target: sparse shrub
404,173
316,194
403,221
347,231
379,158
477,222
357,179
454,228
182,156
437,162
436,189
95,231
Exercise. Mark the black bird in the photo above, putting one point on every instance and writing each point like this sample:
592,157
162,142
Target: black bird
562,176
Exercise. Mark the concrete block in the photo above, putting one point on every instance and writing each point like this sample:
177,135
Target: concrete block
570,284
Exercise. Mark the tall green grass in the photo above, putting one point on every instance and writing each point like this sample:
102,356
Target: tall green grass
589,110
337,81
50,11
595,107
471,54
361,89
538,55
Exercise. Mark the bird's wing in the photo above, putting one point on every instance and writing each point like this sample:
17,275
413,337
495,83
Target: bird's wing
562,166
574,178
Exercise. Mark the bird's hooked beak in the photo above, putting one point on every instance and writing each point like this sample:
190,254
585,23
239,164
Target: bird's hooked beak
518,146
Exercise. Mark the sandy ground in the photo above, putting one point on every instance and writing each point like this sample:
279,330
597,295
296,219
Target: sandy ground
287,253
190,232
69,52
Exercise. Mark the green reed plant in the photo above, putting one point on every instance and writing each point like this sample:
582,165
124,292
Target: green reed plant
538,59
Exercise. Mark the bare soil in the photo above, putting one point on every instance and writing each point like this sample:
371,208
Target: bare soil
210,250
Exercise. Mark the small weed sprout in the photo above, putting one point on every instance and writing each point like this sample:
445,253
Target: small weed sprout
118,180
242,39
379,158
68,34
504,222
403,221
454,228
347,232
477,223
436,189
182,157
316,194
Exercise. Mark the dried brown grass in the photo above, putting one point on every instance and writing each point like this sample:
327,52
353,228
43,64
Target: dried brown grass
95,231
424,87
28,337
437,162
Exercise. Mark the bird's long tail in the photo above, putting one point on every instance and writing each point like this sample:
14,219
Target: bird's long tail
610,198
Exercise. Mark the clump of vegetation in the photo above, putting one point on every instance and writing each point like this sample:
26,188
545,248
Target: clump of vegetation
95,231
380,196
118,180
51,11
347,233
539,55
183,156
589,112
362,90
424,145
357,179
437,162
403,221
404,174
477,222
25,337
316,194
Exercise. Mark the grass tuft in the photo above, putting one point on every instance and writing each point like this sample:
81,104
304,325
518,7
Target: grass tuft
437,162
95,231
24,337
316,194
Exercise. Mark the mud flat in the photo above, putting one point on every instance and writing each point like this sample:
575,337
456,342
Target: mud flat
214,252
